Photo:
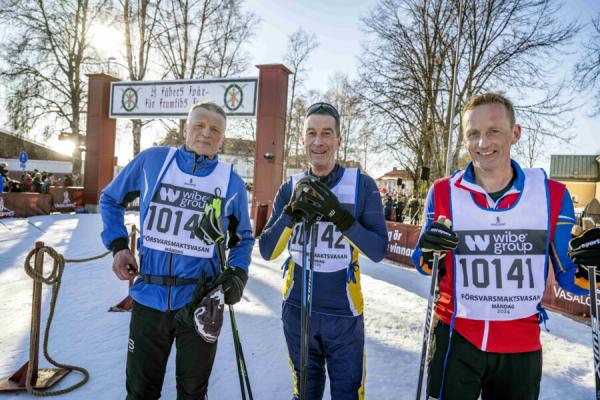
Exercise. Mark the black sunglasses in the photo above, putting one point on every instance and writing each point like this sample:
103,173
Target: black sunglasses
323,108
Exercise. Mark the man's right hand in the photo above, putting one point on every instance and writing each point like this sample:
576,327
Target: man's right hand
298,207
124,265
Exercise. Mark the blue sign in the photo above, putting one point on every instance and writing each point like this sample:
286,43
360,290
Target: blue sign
23,156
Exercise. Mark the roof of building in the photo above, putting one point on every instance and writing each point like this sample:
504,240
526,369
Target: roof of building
240,147
395,174
11,145
575,167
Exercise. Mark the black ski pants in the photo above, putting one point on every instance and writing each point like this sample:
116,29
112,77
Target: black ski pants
151,335
471,372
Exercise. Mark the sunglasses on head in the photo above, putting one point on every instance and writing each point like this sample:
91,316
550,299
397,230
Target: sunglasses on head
323,108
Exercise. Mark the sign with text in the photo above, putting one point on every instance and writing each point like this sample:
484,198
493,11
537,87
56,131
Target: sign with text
173,99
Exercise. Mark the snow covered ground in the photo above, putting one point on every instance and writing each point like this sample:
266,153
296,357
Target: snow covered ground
85,334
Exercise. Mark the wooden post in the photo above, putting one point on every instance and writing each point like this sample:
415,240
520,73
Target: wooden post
270,138
41,378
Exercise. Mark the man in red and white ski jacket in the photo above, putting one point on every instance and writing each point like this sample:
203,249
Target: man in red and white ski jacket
507,222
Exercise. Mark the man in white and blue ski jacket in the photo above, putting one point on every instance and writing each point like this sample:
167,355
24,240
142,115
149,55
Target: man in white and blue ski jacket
352,222
174,185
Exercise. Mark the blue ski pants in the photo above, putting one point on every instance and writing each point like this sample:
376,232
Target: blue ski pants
336,343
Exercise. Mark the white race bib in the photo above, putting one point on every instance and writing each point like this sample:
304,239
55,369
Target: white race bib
332,251
500,261
177,209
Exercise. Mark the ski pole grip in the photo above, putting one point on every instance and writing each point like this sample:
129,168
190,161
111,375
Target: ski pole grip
445,221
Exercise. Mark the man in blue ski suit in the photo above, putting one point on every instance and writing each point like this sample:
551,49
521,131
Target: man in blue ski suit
352,222
174,185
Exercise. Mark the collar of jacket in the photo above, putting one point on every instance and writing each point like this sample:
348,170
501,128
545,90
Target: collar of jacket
186,160
332,178
467,181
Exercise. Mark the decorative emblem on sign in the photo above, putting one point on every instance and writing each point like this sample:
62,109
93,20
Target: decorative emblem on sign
129,99
234,97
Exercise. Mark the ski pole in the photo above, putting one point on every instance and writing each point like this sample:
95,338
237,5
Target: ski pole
428,315
237,344
304,321
595,330
306,307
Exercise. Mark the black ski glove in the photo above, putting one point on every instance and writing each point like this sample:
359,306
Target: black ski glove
208,230
233,281
327,205
298,205
584,250
295,197
439,238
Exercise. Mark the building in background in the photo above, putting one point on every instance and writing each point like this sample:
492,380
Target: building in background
396,180
240,153
41,157
581,175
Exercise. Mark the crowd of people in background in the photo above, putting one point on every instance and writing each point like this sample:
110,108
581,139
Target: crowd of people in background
32,182
399,207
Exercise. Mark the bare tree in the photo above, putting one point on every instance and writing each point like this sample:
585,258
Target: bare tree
139,22
300,45
407,69
45,54
587,70
200,39
343,95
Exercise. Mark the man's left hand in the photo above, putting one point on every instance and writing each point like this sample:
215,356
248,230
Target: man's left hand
233,281
584,249
326,204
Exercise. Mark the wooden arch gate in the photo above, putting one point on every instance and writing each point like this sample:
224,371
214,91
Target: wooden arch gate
270,109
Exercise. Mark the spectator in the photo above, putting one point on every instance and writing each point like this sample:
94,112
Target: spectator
48,181
413,209
37,182
67,180
3,177
399,205
14,186
26,183
387,208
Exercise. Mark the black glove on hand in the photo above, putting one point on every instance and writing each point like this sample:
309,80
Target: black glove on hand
299,206
295,197
233,281
584,249
327,205
208,230
438,238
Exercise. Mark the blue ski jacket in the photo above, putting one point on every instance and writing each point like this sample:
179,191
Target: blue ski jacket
140,177
337,293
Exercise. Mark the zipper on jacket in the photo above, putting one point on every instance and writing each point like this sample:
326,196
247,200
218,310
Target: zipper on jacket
169,287
196,161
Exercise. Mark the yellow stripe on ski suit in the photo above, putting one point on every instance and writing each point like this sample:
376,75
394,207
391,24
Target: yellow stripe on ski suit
281,243
289,280
294,378
361,389
353,289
